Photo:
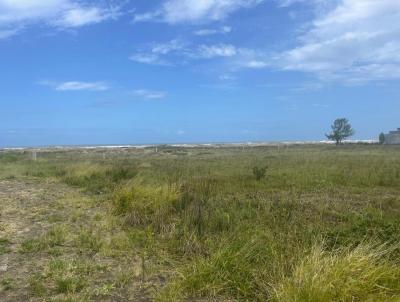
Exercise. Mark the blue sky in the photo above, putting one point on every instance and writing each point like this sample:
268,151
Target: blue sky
139,71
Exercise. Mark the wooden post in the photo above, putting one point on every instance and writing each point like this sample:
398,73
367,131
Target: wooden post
34,155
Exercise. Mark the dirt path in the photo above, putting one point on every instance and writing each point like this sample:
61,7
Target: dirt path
55,245
23,211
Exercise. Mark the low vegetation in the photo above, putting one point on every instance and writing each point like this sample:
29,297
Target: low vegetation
280,224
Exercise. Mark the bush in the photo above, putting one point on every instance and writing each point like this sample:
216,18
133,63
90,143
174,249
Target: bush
259,173
382,138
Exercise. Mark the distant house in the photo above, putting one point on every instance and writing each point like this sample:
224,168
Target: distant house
393,137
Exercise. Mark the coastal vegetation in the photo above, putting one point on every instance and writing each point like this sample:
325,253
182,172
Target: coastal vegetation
264,223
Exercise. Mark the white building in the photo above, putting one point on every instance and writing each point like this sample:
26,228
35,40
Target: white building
393,137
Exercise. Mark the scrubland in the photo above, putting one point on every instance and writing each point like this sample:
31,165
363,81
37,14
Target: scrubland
295,223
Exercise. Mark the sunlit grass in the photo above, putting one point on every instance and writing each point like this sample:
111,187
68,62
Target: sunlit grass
321,223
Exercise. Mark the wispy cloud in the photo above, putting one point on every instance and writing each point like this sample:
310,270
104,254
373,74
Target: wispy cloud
356,42
6,33
150,94
195,11
90,86
217,50
56,13
82,16
349,41
165,48
213,31
76,86
156,53
177,52
148,58
254,64
150,16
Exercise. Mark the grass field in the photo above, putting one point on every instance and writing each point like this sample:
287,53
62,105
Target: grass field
295,223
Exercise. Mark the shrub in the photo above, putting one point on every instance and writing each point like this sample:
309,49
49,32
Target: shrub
259,172
382,138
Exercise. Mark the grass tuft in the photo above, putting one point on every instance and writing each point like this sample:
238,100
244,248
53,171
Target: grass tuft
364,273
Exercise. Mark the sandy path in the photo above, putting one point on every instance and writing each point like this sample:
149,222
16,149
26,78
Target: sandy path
28,210
25,209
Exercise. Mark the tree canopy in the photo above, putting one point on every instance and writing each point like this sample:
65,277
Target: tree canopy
341,129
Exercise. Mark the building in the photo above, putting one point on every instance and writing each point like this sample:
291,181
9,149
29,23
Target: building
393,137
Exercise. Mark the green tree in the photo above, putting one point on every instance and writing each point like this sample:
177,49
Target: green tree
341,129
382,138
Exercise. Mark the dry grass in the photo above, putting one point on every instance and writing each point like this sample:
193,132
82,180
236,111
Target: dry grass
363,273
201,224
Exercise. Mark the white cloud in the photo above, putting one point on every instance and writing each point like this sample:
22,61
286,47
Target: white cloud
357,41
214,31
218,50
76,85
176,52
255,64
150,94
31,10
165,48
154,56
56,13
195,11
148,58
147,16
84,16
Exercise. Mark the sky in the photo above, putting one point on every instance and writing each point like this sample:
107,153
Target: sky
82,72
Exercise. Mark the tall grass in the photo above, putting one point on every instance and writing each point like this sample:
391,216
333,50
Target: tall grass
146,205
217,231
364,273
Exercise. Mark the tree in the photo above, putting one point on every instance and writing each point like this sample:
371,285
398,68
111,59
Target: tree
382,138
341,129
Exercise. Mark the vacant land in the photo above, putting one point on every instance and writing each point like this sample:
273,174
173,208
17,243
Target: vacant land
295,223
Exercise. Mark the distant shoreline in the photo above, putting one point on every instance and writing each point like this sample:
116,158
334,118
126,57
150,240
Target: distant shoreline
184,145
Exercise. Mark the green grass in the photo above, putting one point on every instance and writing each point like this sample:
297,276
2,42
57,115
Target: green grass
54,237
320,223
359,274
4,246
89,241
7,283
